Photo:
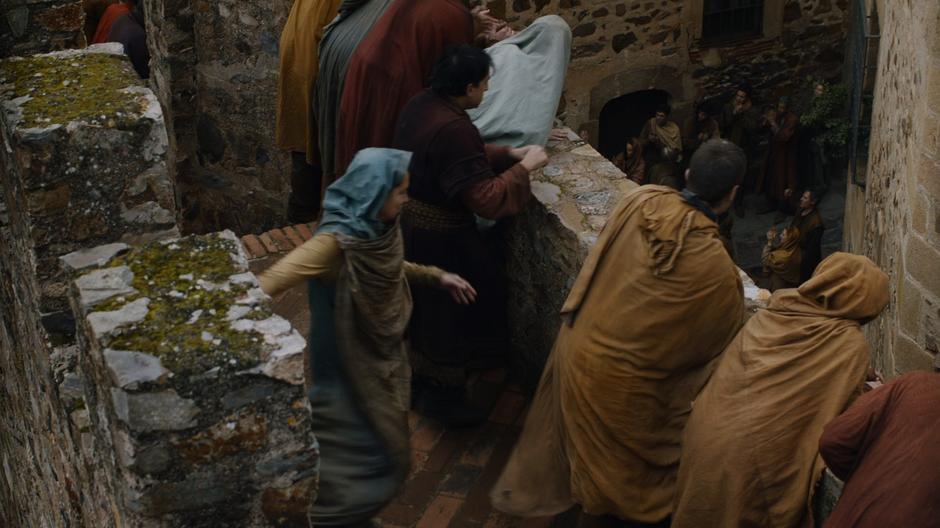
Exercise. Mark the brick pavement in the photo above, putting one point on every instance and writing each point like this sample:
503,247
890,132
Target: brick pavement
453,470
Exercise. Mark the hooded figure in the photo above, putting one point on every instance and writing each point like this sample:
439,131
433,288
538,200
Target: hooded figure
360,303
749,451
656,301
525,87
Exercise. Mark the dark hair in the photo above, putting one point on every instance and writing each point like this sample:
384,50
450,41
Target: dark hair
664,108
813,195
746,88
716,167
459,66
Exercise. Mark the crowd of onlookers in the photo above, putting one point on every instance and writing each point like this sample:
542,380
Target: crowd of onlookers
787,171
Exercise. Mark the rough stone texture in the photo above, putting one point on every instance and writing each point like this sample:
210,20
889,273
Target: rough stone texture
574,194
826,496
39,26
894,218
87,145
622,46
47,479
196,393
218,82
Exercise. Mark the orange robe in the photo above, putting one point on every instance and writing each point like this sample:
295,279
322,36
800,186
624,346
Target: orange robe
112,13
300,41
749,452
654,305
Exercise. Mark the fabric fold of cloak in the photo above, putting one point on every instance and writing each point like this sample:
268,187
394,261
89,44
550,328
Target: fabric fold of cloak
296,122
528,76
749,452
390,66
339,42
656,301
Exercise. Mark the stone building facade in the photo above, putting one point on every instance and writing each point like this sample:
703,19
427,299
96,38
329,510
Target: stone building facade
626,46
894,218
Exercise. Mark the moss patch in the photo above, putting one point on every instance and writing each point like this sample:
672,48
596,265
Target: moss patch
78,88
186,326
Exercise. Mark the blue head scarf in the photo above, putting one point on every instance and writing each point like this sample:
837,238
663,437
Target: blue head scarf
352,203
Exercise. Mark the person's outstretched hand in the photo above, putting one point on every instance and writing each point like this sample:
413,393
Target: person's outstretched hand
532,157
558,134
459,288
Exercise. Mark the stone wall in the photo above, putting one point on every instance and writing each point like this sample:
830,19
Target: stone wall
47,480
895,218
215,71
38,26
549,241
622,46
195,388
87,147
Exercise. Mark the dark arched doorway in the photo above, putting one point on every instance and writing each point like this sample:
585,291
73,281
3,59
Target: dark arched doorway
625,116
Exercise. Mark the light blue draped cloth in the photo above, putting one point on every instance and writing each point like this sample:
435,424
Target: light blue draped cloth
528,77
352,203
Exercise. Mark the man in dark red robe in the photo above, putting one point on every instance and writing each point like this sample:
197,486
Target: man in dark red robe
886,447
780,178
390,66
455,175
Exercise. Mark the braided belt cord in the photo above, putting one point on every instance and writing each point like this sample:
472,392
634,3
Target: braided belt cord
431,217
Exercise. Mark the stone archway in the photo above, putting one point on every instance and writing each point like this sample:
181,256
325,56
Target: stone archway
665,78
624,117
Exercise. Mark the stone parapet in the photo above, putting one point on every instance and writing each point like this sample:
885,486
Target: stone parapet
548,242
46,479
85,142
195,388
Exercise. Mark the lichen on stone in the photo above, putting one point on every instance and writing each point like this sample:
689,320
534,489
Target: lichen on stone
80,87
187,282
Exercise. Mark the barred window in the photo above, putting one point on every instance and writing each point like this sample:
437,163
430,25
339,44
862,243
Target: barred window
863,54
732,19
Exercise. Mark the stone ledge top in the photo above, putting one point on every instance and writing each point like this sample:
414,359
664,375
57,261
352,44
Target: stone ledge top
96,86
189,305
581,187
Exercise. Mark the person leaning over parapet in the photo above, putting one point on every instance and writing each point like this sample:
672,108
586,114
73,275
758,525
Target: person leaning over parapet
655,303
454,176
749,452
886,447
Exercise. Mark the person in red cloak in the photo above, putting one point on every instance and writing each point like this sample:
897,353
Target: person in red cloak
392,64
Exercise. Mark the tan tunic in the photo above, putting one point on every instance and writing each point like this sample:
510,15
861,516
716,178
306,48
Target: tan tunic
321,258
